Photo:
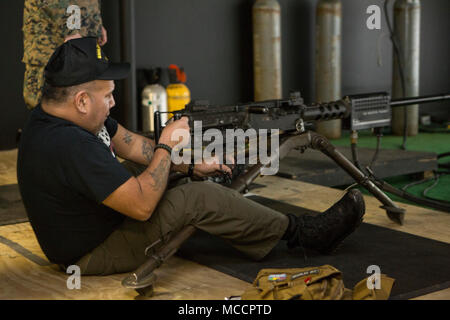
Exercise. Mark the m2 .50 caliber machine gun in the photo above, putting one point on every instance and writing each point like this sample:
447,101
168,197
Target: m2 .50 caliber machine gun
291,117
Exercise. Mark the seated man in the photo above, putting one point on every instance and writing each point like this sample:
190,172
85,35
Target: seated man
87,209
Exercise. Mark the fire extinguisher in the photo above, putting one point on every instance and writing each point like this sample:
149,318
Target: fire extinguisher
154,98
178,94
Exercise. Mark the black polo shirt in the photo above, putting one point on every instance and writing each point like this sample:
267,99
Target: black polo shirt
64,174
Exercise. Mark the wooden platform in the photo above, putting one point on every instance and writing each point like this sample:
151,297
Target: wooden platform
21,278
12,209
315,167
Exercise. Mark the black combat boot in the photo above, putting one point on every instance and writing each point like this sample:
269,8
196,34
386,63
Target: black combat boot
325,231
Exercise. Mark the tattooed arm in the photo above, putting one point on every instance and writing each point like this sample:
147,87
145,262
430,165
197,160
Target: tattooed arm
134,147
139,196
139,149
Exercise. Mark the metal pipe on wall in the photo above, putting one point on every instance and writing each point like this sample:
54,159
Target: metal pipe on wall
328,61
266,15
407,33
128,54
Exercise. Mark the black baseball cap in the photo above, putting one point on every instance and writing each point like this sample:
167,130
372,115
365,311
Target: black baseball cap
82,60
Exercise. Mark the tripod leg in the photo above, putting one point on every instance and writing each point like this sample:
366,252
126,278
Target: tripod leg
242,182
143,278
394,213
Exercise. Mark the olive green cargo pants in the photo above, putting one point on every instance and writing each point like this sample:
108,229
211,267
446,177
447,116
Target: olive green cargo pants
248,226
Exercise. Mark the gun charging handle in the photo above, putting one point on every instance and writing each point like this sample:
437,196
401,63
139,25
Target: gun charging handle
157,124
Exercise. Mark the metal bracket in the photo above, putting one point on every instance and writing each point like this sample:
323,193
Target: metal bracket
300,125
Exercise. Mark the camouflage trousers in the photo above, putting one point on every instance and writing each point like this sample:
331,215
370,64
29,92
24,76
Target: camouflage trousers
33,83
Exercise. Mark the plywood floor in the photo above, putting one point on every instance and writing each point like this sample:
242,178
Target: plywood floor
23,278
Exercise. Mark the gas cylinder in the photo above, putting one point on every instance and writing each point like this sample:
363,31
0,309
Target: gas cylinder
328,60
178,94
266,16
154,98
407,33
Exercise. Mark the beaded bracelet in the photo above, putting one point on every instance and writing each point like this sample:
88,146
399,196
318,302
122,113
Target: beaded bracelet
164,146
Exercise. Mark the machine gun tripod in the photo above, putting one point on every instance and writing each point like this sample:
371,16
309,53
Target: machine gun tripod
143,278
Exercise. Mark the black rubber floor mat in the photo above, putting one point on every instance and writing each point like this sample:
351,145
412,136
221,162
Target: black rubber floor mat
419,265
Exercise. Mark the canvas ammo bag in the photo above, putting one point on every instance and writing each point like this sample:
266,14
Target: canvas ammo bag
312,283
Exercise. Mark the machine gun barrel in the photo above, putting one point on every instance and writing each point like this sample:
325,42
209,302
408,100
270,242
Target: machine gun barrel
326,111
416,100
344,107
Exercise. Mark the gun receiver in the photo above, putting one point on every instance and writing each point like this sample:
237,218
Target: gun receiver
284,114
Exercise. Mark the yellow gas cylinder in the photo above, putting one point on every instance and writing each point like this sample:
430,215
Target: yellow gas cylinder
178,94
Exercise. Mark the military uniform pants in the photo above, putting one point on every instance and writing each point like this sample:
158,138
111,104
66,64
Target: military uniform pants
249,227
33,83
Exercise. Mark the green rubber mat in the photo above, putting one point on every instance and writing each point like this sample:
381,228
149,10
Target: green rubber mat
428,142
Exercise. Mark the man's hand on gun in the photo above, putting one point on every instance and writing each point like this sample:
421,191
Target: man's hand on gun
176,135
213,167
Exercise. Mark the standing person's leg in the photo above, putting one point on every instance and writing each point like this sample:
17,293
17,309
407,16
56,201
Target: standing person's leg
32,84
248,226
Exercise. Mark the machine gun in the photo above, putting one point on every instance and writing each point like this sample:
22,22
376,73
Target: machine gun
291,117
